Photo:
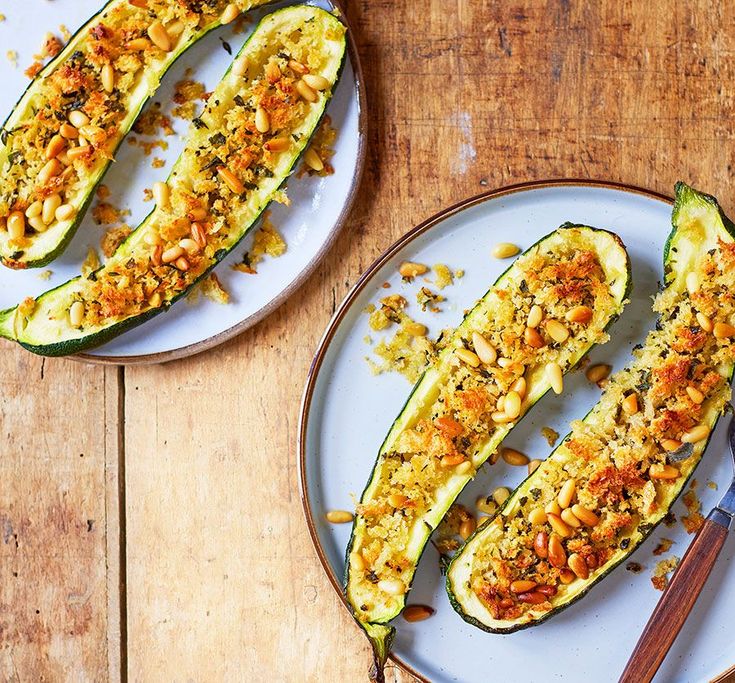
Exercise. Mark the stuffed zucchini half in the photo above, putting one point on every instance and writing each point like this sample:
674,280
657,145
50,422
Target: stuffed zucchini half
62,135
239,152
539,319
616,475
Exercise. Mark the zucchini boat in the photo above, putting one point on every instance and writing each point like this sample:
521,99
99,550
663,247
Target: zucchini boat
617,474
539,319
63,133
239,152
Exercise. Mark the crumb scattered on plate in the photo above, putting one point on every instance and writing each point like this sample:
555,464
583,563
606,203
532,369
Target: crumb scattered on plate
660,578
267,242
693,520
663,546
551,435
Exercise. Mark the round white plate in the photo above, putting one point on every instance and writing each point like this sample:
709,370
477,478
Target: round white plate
347,412
319,206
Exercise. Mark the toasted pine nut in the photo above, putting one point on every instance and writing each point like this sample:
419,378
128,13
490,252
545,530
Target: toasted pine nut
190,246
692,282
532,598
535,316
153,239
555,377
78,118
579,314
533,338
484,350
452,460
566,576
316,82
65,212
107,77
537,516
155,300
50,204
199,234
566,494
464,467
661,471
695,434
501,494
159,36
414,613
79,152
505,250
51,168
578,566
597,373
723,330
182,263
695,394
262,120
76,314
533,465
392,586
512,405
230,13
357,561
55,147
16,225
553,508
468,357
313,161
139,44
630,404
558,332
415,329
198,214
142,4
91,132
467,528
704,322
171,254
272,72
231,180
671,445
175,29
514,457
584,515
549,591
162,194
505,362
305,91
522,586
68,131
557,555
34,209
397,500
298,67
487,505
157,255
569,518
410,269
240,66
277,144
339,516
37,224
519,386
559,525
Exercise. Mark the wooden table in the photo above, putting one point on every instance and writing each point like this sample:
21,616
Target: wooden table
150,522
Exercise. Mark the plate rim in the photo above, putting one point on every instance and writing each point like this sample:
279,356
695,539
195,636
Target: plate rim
305,273
356,290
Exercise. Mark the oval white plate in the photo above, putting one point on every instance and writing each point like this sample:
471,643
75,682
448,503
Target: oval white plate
347,412
319,206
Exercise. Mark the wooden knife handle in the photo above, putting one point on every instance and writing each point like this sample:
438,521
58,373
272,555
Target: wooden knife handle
678,599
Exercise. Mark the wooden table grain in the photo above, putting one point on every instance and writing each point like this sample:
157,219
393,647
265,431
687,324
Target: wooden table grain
150,524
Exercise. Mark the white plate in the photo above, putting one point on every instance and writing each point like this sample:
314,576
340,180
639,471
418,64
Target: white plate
318,208
347,412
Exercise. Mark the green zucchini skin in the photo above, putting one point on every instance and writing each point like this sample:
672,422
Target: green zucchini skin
380,633
64,347
686,200
15,259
